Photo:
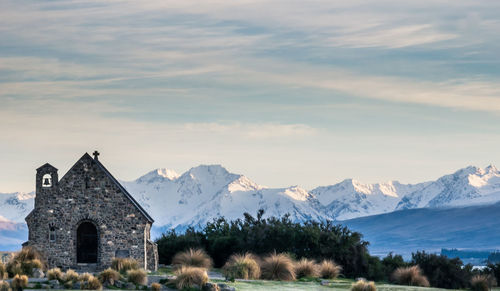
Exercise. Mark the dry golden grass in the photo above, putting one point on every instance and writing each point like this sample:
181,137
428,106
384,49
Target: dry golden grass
93,284
156,286
3,272
19,282
4,286
55,274
190,277
85,277
278,267
109,276
329,270
138,277
123,265
411,276
306,268
482,283
193,258
242,266
70,276
25,261
362,285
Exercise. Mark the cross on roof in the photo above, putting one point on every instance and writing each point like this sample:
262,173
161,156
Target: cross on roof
96,155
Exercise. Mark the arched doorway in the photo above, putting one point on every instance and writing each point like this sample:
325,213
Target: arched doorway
86,243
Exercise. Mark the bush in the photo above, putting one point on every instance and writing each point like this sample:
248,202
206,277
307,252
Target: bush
138,277
192,258
494,270
390,263
278,267
241,267
443,272
55,274
482,282
3,272
190,277
70,276
85,277
25,261
329,270
362,285
19,282
109,276
4,286
123,265
93,284
306,269
156,286
411,276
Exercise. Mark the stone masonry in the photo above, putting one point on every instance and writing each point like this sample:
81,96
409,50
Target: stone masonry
87,218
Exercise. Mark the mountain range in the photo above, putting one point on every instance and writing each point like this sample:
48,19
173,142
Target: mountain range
209,191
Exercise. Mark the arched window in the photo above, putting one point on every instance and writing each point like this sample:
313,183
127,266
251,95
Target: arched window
52,234
47,181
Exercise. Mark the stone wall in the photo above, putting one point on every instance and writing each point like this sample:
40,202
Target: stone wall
86,193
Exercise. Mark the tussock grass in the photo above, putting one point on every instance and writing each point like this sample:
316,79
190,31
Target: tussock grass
190,277
241,266
193,258
329,270
278,267
123,265
156,286
3,272
85,277
24,262
55,274
70,276
138,277
93,284
4,286
306,268
109,276
411,276
362,285
19,282
482,282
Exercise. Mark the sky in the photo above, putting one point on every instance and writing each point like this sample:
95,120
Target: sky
285,92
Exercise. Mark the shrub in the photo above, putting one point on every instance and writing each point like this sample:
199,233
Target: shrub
362,285
306,268
93,284
190,277
25,261
241,267
55,274
3,272
482,283
138,277
192,258
411,276
19,282
278,267
442,271
4,286
156,286
109,276
85,277
70,276
123,265
329,270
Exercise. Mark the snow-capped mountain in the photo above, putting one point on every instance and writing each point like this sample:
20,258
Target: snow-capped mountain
207,192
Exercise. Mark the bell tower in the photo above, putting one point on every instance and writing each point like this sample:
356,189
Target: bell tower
46,181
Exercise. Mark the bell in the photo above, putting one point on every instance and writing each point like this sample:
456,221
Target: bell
46,182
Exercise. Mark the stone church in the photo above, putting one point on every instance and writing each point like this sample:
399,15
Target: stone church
86,219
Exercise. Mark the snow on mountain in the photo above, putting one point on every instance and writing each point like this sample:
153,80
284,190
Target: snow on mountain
206,192
16,206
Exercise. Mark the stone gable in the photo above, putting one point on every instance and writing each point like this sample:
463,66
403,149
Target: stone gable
87,218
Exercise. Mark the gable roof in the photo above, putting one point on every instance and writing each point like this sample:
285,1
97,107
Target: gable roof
117,184
48,166
124,191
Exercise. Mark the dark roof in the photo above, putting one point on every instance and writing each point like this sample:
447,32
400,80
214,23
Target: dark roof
47,165
139,207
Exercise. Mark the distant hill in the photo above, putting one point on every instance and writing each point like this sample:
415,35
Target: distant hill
405,231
